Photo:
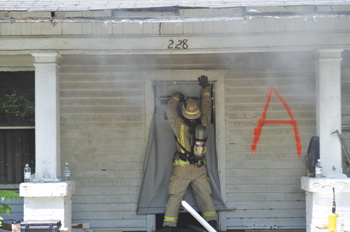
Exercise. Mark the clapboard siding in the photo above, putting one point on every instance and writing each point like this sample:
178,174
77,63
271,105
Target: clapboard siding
103,138
285,205
345,92
264,185
104,207
17,210
261,222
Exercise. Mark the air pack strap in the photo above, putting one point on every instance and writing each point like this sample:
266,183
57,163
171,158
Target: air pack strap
184,156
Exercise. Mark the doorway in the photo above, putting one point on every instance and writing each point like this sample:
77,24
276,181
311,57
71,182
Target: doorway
161,147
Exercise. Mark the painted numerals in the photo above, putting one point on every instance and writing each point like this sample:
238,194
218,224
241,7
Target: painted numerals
178,44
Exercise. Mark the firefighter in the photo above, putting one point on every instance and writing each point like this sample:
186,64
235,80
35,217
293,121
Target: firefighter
189,160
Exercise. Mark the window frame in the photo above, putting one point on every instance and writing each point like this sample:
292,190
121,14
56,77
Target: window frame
28,74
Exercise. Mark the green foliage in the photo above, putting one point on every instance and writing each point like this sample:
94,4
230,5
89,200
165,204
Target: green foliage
15,108
5,208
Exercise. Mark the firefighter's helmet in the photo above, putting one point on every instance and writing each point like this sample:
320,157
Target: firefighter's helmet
190,109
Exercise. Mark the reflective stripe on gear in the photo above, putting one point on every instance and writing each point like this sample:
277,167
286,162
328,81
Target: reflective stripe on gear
189,112
175,98
209,214
206,94
182,137
170,219
180,162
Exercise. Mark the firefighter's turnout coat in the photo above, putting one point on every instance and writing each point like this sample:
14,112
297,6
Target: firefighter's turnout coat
185,173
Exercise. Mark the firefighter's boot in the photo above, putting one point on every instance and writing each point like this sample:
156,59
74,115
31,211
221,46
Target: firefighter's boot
213,224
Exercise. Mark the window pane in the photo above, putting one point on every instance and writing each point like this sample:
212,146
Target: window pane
17,99
17,147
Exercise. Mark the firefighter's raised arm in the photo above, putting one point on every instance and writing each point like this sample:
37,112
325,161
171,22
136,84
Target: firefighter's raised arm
206,99
172,112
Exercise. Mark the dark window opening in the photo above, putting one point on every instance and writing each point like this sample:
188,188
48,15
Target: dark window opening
17,133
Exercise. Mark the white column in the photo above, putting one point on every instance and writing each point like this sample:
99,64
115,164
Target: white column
47,117
329,111
46,198
319,194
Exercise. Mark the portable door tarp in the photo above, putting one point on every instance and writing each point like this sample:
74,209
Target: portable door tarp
161,147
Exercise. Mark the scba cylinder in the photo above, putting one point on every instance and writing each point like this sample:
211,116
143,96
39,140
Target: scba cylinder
200,143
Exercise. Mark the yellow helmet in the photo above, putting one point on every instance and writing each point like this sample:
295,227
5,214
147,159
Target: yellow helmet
190,109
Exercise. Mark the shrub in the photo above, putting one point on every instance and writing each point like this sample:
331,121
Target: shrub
5,208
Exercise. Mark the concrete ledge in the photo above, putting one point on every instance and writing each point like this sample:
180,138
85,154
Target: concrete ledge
319,199
59,189
317,185
48,201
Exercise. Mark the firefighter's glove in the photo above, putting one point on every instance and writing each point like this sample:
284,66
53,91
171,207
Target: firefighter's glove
181,98
203,81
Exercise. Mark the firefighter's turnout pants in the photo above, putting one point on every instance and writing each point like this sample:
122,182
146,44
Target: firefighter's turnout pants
181,178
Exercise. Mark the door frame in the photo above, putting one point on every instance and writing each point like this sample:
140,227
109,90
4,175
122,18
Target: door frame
217,76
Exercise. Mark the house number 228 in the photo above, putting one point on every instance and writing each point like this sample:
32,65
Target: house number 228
179,44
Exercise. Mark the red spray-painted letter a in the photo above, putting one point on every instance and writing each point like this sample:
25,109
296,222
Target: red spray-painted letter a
262,121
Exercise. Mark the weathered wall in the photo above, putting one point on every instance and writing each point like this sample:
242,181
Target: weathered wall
103,136
103,139
346,93
264,185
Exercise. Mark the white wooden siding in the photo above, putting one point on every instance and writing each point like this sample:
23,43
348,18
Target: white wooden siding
345,103
17,210
103,136
346,93
264,186
103,139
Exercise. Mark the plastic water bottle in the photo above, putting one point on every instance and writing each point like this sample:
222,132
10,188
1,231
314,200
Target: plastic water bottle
318,169
66,172
27,173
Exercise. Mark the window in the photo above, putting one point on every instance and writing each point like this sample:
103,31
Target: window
17,133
